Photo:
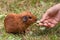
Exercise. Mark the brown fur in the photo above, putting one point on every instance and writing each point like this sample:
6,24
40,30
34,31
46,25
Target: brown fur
14,22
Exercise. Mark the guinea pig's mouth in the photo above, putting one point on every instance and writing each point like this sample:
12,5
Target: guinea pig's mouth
35,19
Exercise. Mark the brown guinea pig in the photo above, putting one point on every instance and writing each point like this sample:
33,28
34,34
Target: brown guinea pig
18,23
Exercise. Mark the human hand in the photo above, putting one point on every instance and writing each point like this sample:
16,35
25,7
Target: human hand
51,17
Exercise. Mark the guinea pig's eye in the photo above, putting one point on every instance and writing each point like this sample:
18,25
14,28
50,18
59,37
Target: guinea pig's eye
30,17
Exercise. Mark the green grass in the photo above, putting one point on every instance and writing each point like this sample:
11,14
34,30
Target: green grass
38,8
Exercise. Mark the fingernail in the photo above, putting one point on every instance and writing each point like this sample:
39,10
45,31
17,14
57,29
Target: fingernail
40,23
52,25
45,24
49,23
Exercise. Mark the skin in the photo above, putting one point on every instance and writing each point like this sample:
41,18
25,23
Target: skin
51,17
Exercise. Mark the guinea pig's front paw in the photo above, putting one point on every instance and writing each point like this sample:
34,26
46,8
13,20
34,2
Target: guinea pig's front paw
22,32
27,30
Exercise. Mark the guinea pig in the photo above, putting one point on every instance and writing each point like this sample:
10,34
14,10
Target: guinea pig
18,23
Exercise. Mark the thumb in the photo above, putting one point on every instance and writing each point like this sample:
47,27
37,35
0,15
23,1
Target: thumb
44,17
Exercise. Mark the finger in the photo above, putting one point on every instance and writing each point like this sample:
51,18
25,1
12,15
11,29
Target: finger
46,21
45,17
53,21
52,25
42,20
49,25
41,24
49,20
45,24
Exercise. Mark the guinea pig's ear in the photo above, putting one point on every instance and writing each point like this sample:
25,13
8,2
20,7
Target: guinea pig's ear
25,18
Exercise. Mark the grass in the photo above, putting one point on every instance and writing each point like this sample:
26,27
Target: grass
38,8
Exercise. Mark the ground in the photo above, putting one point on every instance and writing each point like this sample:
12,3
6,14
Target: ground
38,8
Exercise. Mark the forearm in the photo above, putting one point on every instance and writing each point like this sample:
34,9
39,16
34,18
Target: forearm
53,10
